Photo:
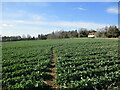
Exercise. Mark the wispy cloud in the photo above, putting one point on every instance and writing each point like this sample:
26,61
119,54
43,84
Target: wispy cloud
36,17
7,25
15,15
82,9
18,30
16,21
90,25
41,4
113,10
19,27
23,14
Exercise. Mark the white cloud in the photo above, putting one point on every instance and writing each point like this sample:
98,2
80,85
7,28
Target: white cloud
41,4
15,15
36,17
89,25
34,28
71,24
112,10
23,14
7,25
83,9
19,21
18,30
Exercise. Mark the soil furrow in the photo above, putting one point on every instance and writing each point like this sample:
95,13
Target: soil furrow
52,72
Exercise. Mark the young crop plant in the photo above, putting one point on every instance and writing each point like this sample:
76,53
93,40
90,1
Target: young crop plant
80,64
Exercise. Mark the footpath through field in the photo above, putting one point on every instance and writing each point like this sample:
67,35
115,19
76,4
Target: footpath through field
52,68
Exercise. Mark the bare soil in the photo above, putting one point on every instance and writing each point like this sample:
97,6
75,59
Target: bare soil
52,72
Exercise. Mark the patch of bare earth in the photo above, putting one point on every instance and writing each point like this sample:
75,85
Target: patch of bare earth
52,68
110,38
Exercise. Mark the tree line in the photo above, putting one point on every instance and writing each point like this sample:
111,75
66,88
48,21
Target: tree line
107,32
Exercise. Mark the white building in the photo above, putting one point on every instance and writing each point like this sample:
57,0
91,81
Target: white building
92,35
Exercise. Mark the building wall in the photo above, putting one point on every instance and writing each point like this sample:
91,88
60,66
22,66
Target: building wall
91,36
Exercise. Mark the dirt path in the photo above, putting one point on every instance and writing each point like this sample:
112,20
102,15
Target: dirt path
52,72
110,38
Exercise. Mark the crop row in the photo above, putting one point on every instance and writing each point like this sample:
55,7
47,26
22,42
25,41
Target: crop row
25,67
88,65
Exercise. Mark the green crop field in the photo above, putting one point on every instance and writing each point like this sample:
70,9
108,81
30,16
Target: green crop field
82,64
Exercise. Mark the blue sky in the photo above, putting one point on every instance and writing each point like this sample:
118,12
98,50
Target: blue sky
44,17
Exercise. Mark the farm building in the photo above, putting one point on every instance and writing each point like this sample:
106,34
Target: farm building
92,35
